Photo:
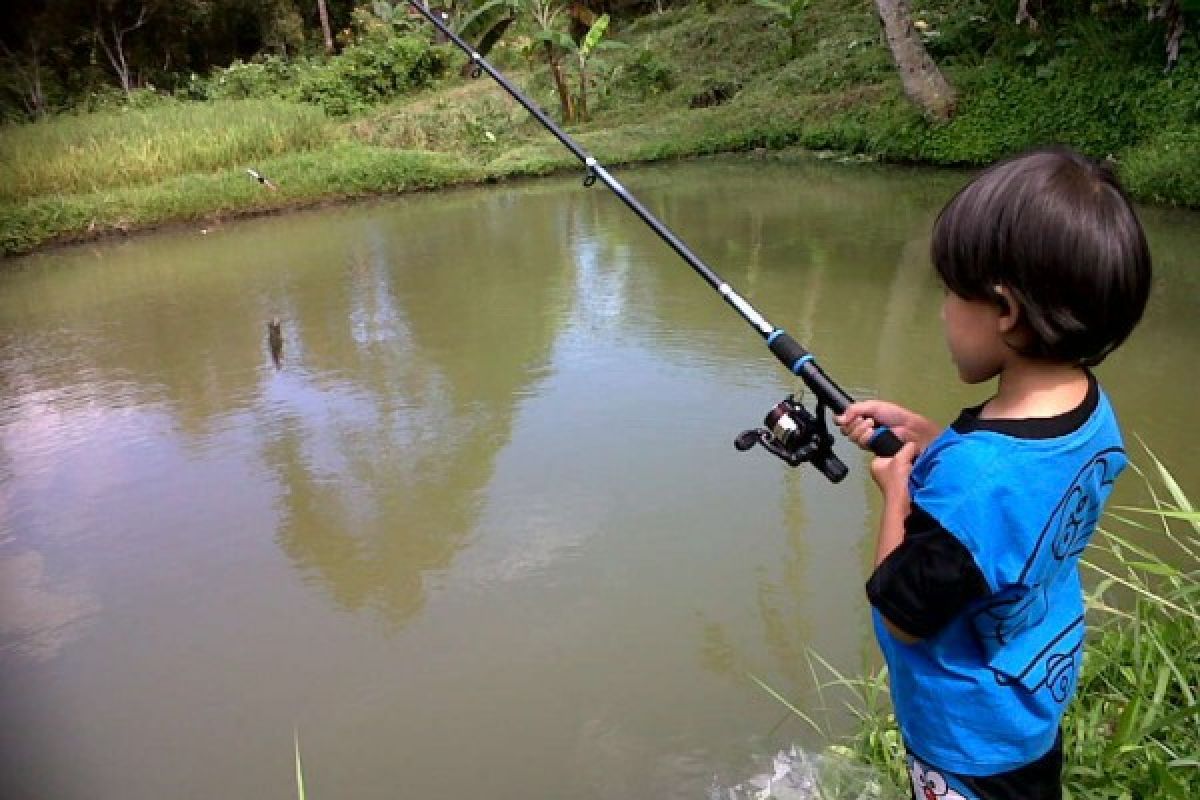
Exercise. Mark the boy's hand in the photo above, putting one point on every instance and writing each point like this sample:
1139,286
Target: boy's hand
858,422
891,474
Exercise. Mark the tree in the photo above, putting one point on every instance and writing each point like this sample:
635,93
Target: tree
22,67
584,51
923,82
545,15
1171,12
25,76
325,29
112,38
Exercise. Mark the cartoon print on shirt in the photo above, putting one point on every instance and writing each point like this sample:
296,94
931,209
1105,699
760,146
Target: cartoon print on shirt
929,784
1061,672
1007,613
1003,622
1074,518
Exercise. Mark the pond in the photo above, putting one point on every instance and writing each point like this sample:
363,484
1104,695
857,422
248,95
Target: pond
481,531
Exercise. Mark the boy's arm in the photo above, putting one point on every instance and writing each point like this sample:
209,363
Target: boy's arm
925,581
891,525
924,576
891,475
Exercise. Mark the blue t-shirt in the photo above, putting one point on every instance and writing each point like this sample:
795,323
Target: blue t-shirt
985,694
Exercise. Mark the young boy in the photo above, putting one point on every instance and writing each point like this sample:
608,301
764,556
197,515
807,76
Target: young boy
976,594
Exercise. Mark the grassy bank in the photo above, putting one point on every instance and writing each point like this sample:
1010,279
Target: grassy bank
116,149
81,176
692,81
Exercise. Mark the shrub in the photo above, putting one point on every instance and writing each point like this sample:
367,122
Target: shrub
268,77
375,69
1166,168
646,74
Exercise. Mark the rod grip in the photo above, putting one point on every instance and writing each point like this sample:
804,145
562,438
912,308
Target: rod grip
885,443
801,362
789,352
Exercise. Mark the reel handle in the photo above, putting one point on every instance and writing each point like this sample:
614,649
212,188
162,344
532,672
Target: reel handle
801,362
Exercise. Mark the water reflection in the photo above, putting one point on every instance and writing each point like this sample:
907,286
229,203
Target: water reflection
419,365
810,593
38,614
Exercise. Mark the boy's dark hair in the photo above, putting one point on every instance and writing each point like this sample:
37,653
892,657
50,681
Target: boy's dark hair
1057,230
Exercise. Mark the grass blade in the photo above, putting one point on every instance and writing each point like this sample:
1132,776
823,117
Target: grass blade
788,705
299,768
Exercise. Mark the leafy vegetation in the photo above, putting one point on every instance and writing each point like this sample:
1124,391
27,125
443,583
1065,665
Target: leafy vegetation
640,84
790,15
1135,729
380,65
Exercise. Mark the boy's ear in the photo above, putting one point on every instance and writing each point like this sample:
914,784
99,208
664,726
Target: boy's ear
1010,310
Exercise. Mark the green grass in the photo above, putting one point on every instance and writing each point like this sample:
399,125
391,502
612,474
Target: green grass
1134,730
75,154
299,767
343,170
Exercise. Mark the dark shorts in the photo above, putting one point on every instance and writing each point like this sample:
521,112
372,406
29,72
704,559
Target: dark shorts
1039,780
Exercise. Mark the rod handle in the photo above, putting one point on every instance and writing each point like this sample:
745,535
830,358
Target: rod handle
801,362
885,443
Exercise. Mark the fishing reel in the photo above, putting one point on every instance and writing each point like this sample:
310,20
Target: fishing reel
797,436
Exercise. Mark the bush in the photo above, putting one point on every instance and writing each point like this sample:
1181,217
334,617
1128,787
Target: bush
372,70
376,67
1070,100
268,77
645,75
1166,168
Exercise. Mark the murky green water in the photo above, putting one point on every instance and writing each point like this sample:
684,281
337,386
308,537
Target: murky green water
482,533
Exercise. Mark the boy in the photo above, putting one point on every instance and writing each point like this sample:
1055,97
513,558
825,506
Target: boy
976,596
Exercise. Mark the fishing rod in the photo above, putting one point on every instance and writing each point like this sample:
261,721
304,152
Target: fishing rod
791,432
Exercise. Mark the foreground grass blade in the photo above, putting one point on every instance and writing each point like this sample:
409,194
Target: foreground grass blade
789,706
299,768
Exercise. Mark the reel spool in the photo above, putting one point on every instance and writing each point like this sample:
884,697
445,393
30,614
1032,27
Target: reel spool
796,436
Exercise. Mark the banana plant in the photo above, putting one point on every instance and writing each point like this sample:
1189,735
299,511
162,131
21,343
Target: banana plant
790,13
486,24
549,38
583,53
464,25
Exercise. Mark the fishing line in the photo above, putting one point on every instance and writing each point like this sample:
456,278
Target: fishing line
790,431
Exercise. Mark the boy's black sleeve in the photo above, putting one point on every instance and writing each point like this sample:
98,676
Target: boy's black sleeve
927,580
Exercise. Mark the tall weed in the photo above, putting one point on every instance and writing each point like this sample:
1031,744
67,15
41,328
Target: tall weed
1134,729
